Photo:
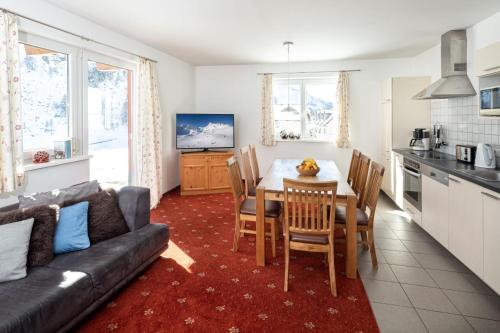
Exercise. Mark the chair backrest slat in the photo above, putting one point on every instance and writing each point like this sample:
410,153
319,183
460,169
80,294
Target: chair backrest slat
353,168
360,181
373,189
306,207
235,178
255,164
247,169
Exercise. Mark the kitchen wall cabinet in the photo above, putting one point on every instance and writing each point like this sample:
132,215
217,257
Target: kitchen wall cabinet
401,114
466,223
488,60
491,225
435,209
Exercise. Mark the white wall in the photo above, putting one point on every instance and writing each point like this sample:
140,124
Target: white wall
237,89
176,79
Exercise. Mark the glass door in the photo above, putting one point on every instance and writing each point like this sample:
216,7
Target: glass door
109,120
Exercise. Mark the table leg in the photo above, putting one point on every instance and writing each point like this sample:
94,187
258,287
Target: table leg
260,238
351,239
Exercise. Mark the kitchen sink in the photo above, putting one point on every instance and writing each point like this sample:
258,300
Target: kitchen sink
489,175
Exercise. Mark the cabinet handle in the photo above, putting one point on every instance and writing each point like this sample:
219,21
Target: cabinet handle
491,68
491,195
454,180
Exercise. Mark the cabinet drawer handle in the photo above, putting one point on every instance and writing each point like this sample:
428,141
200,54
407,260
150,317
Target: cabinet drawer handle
491,68
490,195
454,180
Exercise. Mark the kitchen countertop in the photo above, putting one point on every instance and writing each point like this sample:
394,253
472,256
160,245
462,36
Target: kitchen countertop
449,164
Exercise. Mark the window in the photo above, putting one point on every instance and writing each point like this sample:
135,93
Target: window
44,96
315,103
69,92
109,110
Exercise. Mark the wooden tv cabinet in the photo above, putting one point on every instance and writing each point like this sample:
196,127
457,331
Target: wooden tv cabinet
204,172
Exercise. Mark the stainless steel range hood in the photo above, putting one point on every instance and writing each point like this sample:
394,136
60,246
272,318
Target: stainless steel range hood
454,81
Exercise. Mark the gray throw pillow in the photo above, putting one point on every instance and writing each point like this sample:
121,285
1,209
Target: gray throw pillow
58,197
14,249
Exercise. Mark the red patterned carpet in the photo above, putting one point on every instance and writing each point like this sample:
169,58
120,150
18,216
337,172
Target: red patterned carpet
200,285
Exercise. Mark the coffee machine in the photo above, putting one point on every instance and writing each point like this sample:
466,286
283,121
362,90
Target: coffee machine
421,139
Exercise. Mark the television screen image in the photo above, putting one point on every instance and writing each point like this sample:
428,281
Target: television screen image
204,131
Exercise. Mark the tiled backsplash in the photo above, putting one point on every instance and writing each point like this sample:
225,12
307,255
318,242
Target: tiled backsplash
462,124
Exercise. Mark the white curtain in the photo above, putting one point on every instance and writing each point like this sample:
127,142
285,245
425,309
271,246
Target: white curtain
343,106
11,136
148,132
267,118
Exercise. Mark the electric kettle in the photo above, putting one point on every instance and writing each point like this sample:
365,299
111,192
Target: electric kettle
485,156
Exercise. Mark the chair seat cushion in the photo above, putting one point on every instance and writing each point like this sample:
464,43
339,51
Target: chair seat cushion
307,238
273,208
341,214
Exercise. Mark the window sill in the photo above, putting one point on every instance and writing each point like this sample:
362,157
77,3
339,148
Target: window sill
30,166
306,140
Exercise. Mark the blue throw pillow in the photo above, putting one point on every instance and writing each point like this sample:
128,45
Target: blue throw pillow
71,230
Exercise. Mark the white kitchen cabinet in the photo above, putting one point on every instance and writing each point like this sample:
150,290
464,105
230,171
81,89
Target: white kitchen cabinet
401,114
488,60
491,224
435,209
466,223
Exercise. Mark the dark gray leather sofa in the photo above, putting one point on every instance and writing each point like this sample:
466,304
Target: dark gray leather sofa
55,297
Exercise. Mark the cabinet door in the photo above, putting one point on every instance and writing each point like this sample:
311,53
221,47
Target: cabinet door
219,177
194,174
488,60
491,221
466,223
386,91
435,209
398,180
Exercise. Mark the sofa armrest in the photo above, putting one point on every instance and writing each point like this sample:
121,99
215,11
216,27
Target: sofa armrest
134,203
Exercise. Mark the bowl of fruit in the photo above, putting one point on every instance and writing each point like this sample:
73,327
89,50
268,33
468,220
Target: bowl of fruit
308,168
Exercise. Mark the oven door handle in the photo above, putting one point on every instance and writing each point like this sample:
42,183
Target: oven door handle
414,174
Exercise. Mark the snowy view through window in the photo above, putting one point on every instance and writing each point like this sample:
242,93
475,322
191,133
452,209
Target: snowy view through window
44,97
45,103
108,112
204,131
315,102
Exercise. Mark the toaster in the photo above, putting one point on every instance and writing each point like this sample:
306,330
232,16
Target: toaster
465,153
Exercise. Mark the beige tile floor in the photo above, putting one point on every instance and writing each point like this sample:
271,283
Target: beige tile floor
419,286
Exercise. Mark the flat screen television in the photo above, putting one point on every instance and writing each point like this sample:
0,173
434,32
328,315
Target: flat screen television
204,131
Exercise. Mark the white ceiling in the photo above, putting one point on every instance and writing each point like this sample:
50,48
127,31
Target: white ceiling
213,32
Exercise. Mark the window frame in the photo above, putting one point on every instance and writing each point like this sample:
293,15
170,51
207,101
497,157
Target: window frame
79,53
88,55
303,81
73,96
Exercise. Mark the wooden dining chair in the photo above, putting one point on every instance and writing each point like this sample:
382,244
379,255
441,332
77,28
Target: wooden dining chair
250,188
365,214
255,165
353,168
309,223
246,209
360,179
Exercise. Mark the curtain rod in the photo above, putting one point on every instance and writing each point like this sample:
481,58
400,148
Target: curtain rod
317,72
76,35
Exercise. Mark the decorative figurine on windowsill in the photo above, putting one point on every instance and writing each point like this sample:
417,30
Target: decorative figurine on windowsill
41,157
62,149
283,135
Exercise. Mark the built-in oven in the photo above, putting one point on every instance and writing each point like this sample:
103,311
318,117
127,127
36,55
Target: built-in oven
412,183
